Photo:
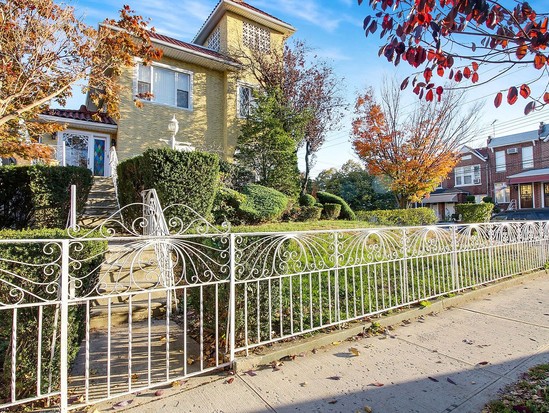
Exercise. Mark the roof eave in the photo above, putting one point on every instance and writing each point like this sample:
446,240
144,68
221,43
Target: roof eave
83,124
206,59
222,6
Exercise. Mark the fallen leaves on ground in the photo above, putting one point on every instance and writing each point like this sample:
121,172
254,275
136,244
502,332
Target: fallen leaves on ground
230,380
376,384
251,373
528,395
449,380
354,351
159,393
122,404
334,378
432,379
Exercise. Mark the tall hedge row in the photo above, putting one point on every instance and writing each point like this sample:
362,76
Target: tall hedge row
399,217
471,213
38,196
188,178
36,277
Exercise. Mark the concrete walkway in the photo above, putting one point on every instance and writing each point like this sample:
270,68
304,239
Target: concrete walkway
451,361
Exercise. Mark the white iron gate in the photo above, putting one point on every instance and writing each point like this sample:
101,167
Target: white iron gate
97,315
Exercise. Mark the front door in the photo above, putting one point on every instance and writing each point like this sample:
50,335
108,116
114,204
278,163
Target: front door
526,196
85,150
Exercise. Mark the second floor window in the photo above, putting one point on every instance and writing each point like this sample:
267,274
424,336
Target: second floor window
500,161
527,157
164,85
467,175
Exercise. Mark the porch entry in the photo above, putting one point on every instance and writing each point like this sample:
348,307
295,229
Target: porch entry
86,150
526,196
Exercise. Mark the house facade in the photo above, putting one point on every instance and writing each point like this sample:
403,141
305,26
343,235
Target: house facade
202,84
513,170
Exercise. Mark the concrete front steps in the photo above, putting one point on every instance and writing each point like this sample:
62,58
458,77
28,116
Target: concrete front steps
128,273
101,204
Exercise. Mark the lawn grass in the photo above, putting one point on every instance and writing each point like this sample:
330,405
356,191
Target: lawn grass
303,226
529,395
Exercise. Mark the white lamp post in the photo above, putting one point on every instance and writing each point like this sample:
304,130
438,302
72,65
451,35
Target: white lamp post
173,127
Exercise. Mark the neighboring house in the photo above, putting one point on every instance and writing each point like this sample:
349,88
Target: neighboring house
201,83
512,169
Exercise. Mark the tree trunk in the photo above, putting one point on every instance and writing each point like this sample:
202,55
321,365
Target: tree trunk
307,169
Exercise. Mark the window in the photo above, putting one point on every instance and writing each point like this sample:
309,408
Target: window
500,161
255,37
214,41
502,193
245,101
528,157
467,175
164,85
466,157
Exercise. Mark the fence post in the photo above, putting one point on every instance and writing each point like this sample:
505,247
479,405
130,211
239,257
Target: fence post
336,278
454,265
72,219
406,289
63,363
232,297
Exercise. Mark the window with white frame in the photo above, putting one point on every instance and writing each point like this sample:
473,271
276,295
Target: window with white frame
467,175
528,157
500,161
214,41
164,85
255,37
502,193
245,102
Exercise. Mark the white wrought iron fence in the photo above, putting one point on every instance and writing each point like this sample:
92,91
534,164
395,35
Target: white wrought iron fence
91,317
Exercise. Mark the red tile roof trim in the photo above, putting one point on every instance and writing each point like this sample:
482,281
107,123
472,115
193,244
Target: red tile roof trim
193,47
81,114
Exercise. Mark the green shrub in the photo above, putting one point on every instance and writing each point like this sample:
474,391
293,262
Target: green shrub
471,213
488,199
38,196
470,199
86,258
399,217
331,211
308,213
227,207
307,200
187,178
263,204
233,175
346,211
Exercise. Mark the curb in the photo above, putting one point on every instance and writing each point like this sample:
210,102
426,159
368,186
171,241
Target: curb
278,351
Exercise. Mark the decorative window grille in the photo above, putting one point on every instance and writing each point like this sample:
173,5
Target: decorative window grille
245,101
214,41
467,175
167,86
257,38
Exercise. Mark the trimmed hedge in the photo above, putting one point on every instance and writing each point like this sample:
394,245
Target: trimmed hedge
331,211
346,211
307,200
38,196
399,217
89,255
188,178
263,204
471,213
227,207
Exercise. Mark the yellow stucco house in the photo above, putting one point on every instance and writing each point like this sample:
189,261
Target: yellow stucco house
201,83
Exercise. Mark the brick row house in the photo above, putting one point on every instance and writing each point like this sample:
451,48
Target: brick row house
512,169
201,83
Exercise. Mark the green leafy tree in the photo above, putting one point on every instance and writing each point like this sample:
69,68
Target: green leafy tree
355,185
267,144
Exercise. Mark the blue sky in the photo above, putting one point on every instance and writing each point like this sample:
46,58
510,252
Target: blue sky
333,29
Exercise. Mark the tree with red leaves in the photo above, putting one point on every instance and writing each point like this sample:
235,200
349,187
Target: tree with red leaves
416,150
455,39
44,51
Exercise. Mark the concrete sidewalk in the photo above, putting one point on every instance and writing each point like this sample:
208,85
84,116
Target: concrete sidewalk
451,361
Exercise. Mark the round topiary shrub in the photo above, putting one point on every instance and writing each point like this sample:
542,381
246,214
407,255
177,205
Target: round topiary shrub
307,200
263,204
309,213
346,211
331,211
